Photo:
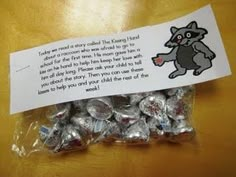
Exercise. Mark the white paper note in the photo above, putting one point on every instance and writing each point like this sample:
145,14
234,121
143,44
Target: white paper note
181,52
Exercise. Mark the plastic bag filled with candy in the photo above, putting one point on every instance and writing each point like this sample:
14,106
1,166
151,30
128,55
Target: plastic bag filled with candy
138,118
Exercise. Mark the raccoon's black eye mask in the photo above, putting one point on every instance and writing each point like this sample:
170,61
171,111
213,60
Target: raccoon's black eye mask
191,34
178,38
187,34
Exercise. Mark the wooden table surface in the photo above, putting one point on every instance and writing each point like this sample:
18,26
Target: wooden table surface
29,23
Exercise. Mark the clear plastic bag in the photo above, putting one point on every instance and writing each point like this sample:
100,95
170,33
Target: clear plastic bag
135,119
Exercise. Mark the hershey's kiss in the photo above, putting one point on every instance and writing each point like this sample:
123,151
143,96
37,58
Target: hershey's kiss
59,112
137,133
127,116
153,104
100,108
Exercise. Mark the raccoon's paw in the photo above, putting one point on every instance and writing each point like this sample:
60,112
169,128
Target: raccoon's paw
178,72
173,75
197,72
158,60
210,55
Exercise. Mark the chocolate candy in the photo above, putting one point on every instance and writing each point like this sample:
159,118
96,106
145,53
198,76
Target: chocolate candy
176,108
110,133
100,108
99,126
120,101
80,106
153,104
132,118
72,138
137,133
181,126
164,122
182,131
59,112
179,91
50,136
83,121
155,127
137,97
127,116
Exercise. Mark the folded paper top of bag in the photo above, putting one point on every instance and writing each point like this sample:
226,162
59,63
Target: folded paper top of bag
181,52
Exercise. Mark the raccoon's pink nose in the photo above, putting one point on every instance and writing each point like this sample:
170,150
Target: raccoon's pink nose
179,41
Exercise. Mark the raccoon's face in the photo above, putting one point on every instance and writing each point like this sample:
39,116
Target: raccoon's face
185,36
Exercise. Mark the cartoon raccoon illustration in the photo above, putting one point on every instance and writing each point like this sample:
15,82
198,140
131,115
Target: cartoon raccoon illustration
188,51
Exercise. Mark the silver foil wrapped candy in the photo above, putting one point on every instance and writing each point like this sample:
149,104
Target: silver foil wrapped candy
179,92
59,112
181,126
155,128
153,104
72,138
80,105
100,108
99,126
50,136
182,131
120,101
137,97
131,118
137,133
164,122
83,121
175,108
110,133
127,116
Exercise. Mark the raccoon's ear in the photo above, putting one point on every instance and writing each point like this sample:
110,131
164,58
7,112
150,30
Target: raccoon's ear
173,29
192,25
203,31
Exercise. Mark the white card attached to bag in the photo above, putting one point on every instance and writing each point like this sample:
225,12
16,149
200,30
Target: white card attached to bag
184,51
